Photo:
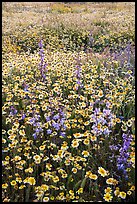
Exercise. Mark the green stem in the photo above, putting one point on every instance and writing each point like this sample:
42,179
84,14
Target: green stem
27,194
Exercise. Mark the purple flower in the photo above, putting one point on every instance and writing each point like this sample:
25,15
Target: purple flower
122,163
35,135
47,118
63,134
13,111
78,82
55,117
64,127
45,65
101,120
40,44
97,110
106,112
38,130
106,131
56,126
114,147
49,131
32,120
108,104
42,65
62,121
78,74
23,116
38,124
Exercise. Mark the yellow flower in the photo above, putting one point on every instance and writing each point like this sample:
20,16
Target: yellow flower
19,149
132,160
64,146
83,104
93,176
52,198
44,187
5,162
73,125
39,194
116,192
13,182
72,180
4,185
16,123
75,143
61,194
100,94
18,179
111,181
77,135
102,172
55,179
72,197
10,132
46,125
86,123
122,194
79,167
132,188
17,158
71,192
45,199
64,175
23,139
80,120
29,170
108,197
118,120
42,147
88,173
22,162
93,138
3,131
74,170
40,96
68,126
22,186
7,158
14,128
3,140
12,137
36,157
129,123
6,200
80,190
48,166
85,153
129,192
22,132
31,181
108,190
38,161
19,167
124,128
86,141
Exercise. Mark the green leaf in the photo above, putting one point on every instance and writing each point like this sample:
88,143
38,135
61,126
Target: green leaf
69,179
77,185
81,200
83,183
